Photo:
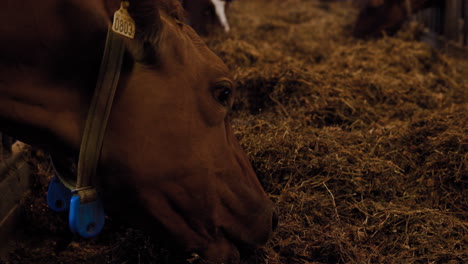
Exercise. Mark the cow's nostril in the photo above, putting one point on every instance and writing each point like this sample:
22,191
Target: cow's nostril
274,220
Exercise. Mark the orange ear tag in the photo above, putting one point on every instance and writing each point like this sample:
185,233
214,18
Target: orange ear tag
123,22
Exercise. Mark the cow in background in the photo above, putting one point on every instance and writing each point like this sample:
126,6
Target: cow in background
205,14
378,16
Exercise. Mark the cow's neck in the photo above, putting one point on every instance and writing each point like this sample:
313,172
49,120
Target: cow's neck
28,99
48,67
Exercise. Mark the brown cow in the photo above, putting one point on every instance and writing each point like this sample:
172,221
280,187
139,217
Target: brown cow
378,16
170,161
205,14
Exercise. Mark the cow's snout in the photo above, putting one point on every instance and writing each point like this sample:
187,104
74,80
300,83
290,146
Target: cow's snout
221,251
230,249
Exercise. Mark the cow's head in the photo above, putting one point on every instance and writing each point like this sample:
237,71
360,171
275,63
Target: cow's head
206,14
170,160
378,16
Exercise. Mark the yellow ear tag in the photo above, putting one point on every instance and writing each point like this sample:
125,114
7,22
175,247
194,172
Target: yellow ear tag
123,22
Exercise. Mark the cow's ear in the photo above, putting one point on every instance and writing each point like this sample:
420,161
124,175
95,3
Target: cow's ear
145,13
147,20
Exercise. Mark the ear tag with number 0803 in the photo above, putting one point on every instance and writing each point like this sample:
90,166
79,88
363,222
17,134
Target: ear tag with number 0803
123,22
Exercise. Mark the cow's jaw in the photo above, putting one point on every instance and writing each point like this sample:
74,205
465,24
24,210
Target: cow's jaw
220,9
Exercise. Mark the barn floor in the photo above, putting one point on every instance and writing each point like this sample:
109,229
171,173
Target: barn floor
363,145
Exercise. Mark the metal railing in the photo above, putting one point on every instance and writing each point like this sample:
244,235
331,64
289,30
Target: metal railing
447,24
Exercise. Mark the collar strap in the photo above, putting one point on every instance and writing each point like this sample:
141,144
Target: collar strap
99,111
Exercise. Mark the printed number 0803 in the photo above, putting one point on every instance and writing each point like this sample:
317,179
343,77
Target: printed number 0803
123,26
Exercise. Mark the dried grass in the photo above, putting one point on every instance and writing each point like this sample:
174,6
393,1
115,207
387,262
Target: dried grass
363,145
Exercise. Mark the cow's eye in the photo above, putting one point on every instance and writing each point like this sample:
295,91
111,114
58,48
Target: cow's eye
223,93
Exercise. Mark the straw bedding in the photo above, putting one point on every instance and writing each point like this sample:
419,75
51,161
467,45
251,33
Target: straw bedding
363,145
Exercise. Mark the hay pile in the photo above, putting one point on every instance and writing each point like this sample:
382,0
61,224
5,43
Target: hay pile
363,145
